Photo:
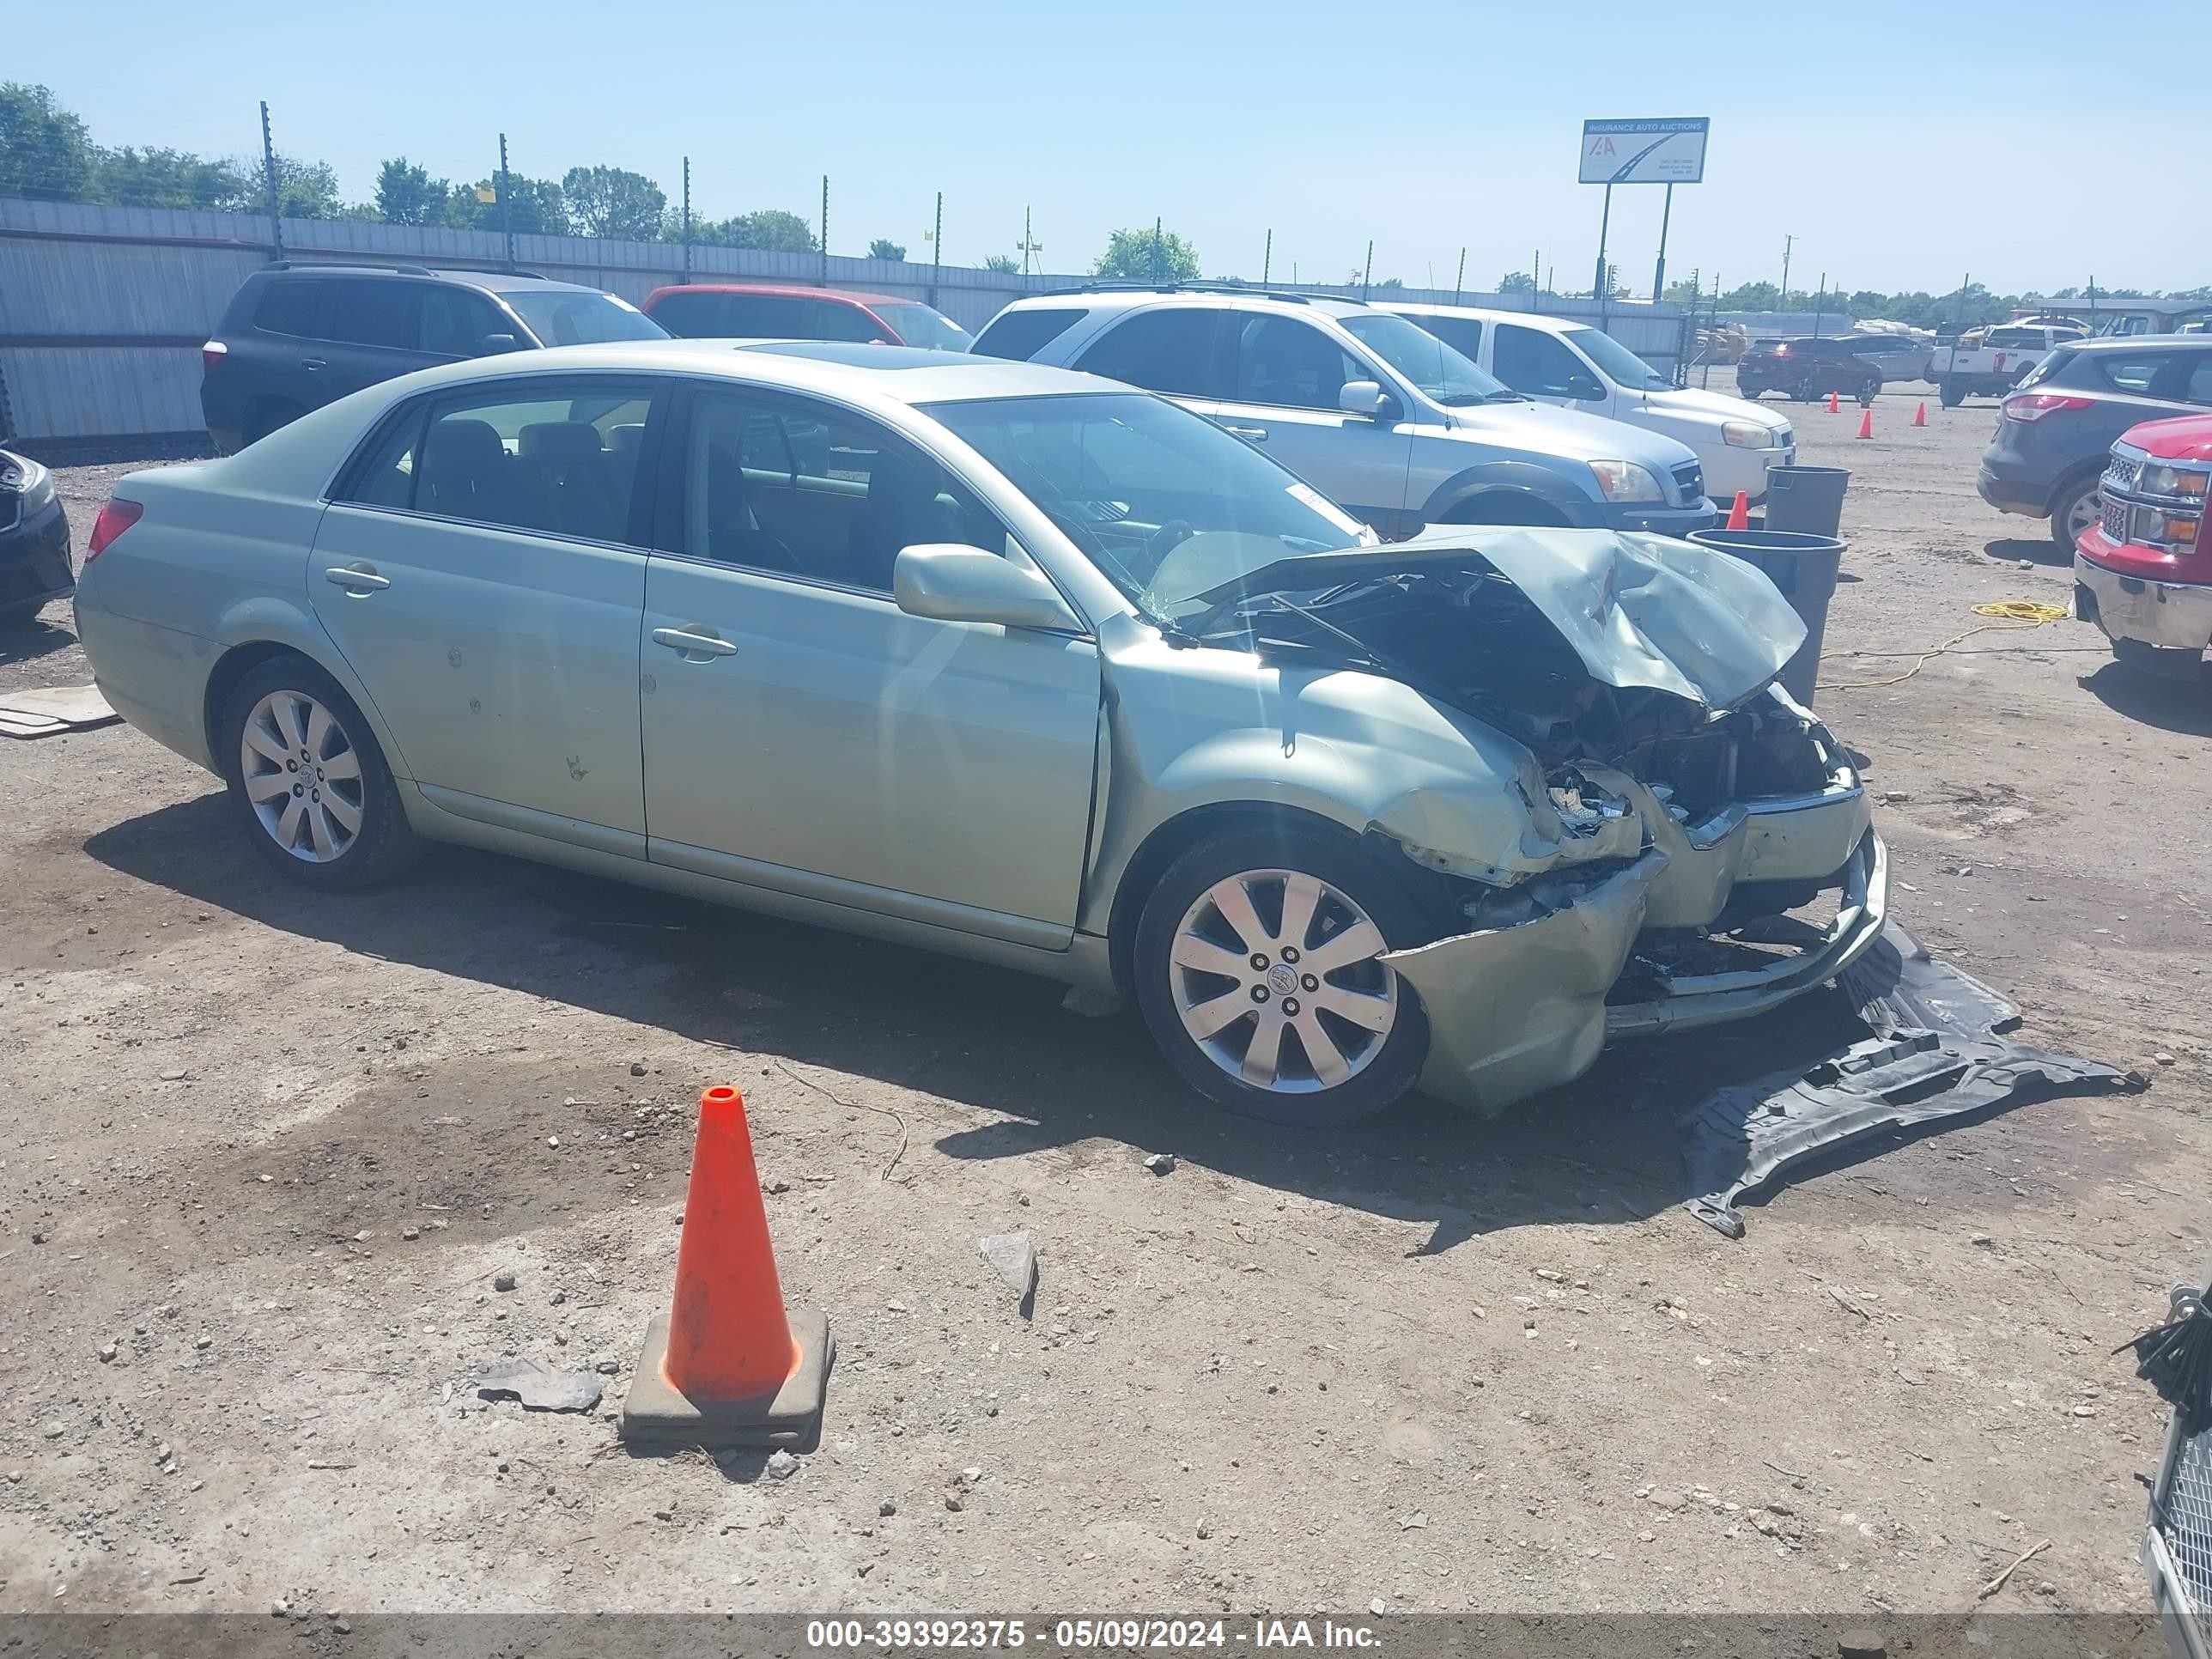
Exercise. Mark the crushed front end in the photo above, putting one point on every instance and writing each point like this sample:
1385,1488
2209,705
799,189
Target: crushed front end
1683,794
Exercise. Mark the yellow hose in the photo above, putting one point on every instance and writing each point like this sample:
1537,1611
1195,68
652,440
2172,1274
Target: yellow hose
2033,613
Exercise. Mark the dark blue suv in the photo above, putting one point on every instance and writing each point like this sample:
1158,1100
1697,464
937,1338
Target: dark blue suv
296,337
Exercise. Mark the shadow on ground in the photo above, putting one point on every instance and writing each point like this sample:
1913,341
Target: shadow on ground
2180,706
2036,549
1603,1149
27,641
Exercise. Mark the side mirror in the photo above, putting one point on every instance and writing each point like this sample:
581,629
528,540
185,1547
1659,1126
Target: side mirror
952,583
496,344
1367,398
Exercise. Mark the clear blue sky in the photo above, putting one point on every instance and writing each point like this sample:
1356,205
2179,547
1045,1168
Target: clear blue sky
1902,144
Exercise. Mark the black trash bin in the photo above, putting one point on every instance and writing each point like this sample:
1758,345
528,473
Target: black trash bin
1808,500
1803,568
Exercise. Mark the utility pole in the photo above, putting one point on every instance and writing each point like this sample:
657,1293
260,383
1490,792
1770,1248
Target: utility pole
1714,325
1367,273
1787,241
1029,244
1598,289
1267,259
1459,280
822,267
686,218
1820,304
937,248
505,204
1157,249
269,182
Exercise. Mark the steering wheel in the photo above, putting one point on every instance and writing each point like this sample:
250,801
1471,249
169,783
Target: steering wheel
1168,537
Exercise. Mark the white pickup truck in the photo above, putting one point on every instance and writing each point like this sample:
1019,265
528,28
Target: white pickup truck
1986,362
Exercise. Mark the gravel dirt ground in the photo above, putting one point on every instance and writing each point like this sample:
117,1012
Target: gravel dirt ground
263,1153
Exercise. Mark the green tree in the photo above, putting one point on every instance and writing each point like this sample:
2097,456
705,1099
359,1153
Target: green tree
1517,282
533,206
46,154
408,195
305,190
770,227
613,202
883,248
172,179
1005,264
1141,256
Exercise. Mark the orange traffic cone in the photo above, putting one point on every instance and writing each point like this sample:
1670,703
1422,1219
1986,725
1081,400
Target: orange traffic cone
1833,406
728,1367
1739,516
1920,415
1866,423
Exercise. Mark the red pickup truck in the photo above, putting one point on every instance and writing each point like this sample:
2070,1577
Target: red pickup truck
2142,572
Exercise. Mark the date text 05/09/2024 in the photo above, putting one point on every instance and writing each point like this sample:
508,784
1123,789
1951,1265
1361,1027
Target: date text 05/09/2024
1122,1635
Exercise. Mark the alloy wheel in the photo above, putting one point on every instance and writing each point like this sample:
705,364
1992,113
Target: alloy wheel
2084,510
1278,978
302,777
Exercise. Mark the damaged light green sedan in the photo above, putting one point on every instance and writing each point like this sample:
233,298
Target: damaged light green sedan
1009,662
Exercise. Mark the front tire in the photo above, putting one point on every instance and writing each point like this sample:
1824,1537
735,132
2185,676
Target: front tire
1868,390
308,785
1258,972
2073,510
1950,393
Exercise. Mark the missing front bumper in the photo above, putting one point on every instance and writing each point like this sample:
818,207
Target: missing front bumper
1517,1010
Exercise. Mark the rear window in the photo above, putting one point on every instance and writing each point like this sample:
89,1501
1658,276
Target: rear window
1019,336
920,326
288,307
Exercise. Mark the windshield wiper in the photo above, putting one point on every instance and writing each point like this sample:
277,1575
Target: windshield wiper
1503,395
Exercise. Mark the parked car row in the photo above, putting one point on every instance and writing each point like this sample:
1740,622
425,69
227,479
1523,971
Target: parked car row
1445,435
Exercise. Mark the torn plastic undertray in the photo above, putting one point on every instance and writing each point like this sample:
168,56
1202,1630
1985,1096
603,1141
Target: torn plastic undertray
1938,1051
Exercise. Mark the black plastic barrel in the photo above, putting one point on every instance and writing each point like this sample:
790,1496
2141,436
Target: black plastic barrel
1808,500
1803,568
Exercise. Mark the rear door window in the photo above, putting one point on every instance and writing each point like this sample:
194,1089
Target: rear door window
1019,336
2197,387
288,307
2133,371
372,311
1165,348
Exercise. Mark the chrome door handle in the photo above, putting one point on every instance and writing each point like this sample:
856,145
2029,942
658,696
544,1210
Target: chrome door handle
356,579
311,364
691,644
1257,435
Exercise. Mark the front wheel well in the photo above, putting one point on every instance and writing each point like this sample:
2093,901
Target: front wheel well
1507,506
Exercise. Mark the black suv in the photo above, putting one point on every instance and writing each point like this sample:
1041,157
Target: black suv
296,337
1806,369
2054,429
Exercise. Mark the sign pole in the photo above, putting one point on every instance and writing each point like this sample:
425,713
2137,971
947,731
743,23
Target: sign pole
1659,272
1604,225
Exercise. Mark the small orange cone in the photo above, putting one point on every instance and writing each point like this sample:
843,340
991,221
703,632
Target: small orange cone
727,1366
1739,516
1920,415
1866,423
1833,406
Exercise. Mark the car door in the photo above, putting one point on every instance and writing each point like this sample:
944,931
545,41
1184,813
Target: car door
1540,364
803,734
370,330
482,566
1283,376
455,322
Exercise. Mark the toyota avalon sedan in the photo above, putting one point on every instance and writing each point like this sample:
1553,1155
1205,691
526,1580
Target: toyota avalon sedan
1010,662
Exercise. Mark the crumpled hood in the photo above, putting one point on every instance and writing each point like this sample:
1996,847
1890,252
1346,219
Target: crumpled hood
1639,610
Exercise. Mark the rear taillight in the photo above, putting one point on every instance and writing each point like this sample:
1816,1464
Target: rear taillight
118,516
2034,405
211,354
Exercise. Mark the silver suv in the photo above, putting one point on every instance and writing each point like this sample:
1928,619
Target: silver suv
1383,418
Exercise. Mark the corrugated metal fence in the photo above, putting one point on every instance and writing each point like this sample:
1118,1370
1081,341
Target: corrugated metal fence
102,309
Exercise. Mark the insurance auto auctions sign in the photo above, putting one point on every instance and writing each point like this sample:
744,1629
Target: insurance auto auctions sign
1662,152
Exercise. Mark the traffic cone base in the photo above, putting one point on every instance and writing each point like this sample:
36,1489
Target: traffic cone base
658,1414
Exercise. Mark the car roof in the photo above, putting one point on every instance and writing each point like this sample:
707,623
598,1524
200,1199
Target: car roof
857,373
1221,296
1490,314
784,290
492,282
2136,341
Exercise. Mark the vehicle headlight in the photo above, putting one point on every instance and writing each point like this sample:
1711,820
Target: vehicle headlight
35,486
2156,480
1749,435
1624,481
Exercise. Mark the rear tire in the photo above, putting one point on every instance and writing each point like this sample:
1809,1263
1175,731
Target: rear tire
1214,1026
308,786
1950,393
2073,510
1868,390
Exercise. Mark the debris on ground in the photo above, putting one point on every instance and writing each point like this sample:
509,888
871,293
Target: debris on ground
1161,1163
47,710
1014,1258
539,1387
1936,1052
781,1465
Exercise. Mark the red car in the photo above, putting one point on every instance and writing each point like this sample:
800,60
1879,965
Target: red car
753,310
2142,571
